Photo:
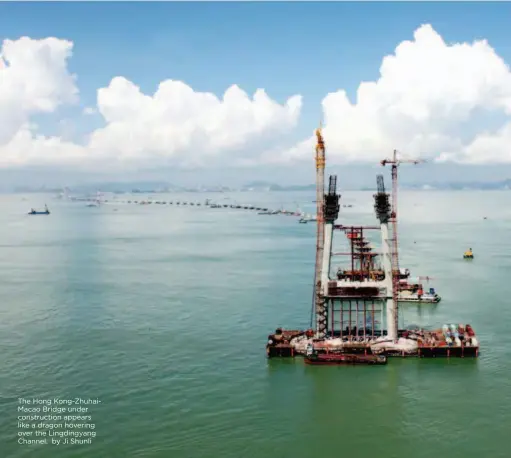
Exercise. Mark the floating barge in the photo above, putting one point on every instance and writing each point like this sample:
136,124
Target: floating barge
357,311
414,343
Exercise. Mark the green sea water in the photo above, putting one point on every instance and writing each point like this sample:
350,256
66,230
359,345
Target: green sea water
162,313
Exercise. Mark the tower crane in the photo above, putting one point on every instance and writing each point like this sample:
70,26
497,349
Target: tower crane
319,300
395,162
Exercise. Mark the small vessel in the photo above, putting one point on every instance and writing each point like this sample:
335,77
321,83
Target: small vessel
344,359
468,254
35,212
307,219
414,292
426,298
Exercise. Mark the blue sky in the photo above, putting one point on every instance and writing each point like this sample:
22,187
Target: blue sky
286,48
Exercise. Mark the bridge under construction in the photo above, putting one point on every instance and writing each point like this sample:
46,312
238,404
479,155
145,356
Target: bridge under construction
357,312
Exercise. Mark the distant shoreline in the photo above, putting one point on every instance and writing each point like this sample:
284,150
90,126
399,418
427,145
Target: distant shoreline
94,189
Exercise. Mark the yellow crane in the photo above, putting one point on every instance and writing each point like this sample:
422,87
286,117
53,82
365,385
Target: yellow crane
319,300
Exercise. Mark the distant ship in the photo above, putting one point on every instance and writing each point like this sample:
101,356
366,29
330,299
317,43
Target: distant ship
95,203
35,212
307,219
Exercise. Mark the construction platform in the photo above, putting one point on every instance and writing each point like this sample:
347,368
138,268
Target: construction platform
357,310
430,344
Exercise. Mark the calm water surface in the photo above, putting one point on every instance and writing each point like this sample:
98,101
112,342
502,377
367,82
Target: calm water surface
163,313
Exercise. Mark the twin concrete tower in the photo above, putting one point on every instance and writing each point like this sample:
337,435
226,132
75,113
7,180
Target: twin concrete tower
327,213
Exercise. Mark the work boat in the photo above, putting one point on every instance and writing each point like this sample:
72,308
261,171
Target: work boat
426,298
35,212
412,290
468,254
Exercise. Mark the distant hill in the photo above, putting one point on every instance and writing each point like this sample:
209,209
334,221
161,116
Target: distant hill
458,186
267,186
146,187
142,186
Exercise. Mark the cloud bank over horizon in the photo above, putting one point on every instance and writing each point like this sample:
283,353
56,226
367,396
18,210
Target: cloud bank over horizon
422,104
429,101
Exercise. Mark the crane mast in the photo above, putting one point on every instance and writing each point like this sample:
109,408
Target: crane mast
319,299
395,162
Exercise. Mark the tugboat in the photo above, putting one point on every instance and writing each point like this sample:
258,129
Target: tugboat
414,292
35,212
312,357
468,254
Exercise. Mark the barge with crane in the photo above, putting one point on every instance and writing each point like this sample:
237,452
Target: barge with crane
357,312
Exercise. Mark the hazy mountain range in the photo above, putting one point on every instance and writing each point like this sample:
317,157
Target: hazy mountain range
154,187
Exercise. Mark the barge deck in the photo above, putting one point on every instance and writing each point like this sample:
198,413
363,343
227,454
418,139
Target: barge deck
417,343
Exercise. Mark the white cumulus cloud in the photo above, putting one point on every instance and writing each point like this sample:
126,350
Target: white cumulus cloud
33,79
178,122
426,96
174,125
428,100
